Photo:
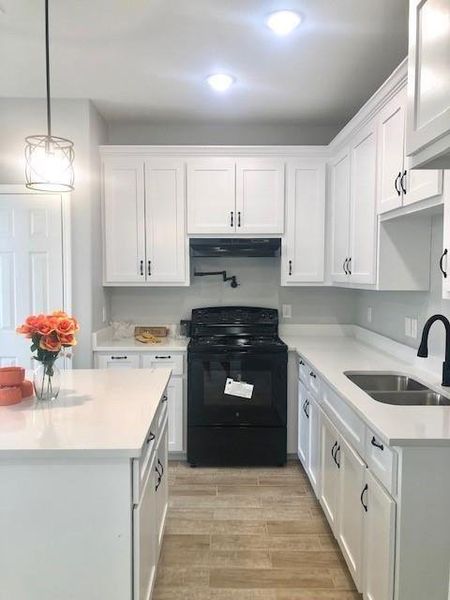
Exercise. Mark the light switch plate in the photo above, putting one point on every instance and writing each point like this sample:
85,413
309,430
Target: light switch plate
411,327
369,314
286,311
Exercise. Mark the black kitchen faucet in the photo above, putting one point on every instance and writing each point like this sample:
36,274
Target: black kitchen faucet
423,348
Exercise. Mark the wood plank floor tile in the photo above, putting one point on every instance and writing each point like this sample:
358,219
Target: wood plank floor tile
193,490
302,558
309,525
239,542
269,491
251,559
269,578
316,595
214,502
183,577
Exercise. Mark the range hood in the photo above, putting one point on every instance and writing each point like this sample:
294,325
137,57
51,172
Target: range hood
250,247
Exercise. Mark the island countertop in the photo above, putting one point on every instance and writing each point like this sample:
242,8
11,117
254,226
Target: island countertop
97,413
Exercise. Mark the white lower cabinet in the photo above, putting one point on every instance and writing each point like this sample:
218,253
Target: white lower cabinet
379,541
303,426
329,492
350,520
175,388
314,444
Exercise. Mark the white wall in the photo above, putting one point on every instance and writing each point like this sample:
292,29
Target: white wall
259,285
389,309
79,121
220,133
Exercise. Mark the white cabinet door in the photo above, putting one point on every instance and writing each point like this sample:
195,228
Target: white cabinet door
303,254
175,409
340,202
145,537
162,486
379,542
165,221
124,221
421,185
329,447
429,80
211,195
350,527
303,426
391,136
119,360
259,195
364,222
314,445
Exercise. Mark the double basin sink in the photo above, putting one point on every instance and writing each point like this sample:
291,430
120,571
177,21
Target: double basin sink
398,389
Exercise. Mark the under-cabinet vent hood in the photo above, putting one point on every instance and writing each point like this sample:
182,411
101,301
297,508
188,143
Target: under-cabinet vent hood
235,247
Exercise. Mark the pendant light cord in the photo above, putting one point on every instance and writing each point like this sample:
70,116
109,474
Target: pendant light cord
47,65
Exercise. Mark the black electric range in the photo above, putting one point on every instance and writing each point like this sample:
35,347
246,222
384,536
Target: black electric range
237,387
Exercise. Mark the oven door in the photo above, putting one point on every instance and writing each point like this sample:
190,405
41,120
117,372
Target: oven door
209,405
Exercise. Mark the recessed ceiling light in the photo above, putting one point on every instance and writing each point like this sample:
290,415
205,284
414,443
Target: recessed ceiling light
220,82
283,22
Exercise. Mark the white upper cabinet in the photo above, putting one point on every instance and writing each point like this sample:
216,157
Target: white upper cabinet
124,223
211,184
235,196
304,243
144,222
340,207
165,220
259,196
361,265
428,134
398,184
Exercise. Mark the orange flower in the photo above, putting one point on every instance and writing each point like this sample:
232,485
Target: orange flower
46,325
50,343
59,313
67,339
25,330
65,326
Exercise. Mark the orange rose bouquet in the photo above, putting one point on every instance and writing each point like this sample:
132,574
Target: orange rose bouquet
49,335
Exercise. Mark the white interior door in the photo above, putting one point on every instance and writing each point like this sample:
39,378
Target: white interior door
364,225
31,267
391,149
350,528
304,251
340,199
124,223
260,195
165,221
211,195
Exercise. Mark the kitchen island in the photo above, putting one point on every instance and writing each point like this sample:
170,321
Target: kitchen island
83,492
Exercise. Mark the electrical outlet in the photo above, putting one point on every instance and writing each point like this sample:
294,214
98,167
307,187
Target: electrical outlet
104,315
411,327
369,314
286,311
408,326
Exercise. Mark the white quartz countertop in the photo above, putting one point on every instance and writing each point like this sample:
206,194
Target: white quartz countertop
332,356
98,412
168,344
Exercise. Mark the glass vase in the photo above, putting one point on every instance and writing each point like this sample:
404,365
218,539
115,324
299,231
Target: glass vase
47,381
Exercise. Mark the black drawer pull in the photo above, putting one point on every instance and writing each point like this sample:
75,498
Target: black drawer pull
119,357
366,487
441,263
149,268
312,374
290,267
376,444
239,219
162,468
232,219
300,362
305,408
141,267
164,398
397,180
338,462
333,449
150,438
158,483
162,357
402,183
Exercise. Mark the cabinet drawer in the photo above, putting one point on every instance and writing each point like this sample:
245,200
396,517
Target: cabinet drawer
166,360
350,425
382,461
303,371
314,383
118,360
141,464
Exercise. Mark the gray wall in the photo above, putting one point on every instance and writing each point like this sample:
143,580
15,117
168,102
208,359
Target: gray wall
259,280
389,309
79,121
216,133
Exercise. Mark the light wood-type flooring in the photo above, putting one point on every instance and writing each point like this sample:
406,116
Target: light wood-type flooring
248,534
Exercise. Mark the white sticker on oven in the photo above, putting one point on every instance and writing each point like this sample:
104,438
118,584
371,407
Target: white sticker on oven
238,388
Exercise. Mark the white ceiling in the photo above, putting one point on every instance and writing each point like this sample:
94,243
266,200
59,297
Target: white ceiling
147,59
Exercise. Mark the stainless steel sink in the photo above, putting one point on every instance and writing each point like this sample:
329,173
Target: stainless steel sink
411,398
384,382
398,389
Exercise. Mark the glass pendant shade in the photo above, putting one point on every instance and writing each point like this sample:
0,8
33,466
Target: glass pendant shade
49,163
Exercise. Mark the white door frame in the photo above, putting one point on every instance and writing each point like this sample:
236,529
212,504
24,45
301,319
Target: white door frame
12,189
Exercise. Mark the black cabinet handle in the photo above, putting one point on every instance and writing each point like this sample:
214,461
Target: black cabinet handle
119,357
366,487
164,398
162,357
349,270
162,468
158,483
397,179
141,267
312,374
338,462
149,268
300,362
305,408
441,263
344,266
402,182
150,438
290,267
376,444
333,449
239,218
232,219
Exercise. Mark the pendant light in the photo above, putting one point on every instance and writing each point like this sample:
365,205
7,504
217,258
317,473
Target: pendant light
49,159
